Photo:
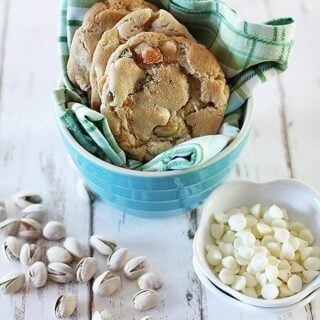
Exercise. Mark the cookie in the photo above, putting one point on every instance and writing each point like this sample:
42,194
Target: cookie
132,24
99,18
161,91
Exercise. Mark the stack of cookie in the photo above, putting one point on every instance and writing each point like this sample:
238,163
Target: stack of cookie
145,72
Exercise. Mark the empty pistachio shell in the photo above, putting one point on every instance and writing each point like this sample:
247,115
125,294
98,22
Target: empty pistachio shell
30,229
103,315
10,226
60,272
24,199
106,284
85,269
11,247
136,267
37,275
3,213
118,259
74,247
11,283
35,212
29,254
150,280
64,306
145,299
59,254
102,244
54,230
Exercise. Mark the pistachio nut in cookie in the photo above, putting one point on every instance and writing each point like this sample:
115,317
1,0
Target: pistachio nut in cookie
173,90
132,24
99,18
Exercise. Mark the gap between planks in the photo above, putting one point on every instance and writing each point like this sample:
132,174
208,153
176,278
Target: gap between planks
91,228
193,226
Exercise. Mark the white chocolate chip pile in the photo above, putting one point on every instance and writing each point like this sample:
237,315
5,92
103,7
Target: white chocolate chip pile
259,252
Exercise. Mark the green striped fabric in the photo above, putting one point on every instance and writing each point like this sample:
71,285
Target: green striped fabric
188,154
249,54
92,132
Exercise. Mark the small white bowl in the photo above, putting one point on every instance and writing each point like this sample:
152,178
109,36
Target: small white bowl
231,302
302,203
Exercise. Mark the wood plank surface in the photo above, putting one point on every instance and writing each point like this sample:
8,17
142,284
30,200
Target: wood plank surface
31,153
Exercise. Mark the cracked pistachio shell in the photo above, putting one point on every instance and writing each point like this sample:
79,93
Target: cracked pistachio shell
3,213
150,280
136,267
11,283
30,253
74,247
35,212
103,315
59,254
54,230
86,269
145,299
60,272
37,275
106,284
102,244
10,226
64,306
11,247
24,199
118,259
30,229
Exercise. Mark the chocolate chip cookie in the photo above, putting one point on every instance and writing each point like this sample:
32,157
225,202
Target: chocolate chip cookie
100,17
129,26
160,91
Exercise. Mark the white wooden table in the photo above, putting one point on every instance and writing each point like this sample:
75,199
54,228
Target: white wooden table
285,142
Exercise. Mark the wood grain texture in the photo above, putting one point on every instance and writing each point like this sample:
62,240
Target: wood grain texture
4,13
31,154
284,143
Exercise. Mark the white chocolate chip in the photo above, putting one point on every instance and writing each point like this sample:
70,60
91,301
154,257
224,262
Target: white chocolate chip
214,257
217,230
312,263
272,273
226,276
237,222
270,291
239,283
256,210
294,283
229,263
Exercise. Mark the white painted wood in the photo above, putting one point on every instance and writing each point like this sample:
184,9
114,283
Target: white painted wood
284,143
268,154
4,11
167,245
31,154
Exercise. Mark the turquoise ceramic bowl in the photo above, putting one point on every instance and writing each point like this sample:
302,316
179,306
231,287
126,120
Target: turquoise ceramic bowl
156,194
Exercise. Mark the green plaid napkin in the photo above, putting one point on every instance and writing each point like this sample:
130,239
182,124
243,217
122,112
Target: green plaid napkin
90,128
188,154
249,54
